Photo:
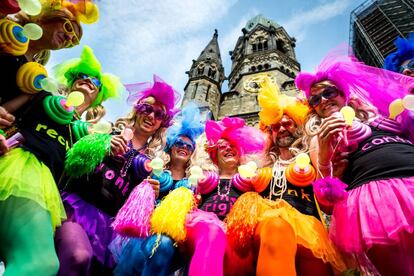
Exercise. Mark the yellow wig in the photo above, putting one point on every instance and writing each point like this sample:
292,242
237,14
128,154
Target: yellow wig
273,105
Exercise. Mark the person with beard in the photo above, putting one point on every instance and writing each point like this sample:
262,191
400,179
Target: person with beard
158,255
92,201
374,219
283,225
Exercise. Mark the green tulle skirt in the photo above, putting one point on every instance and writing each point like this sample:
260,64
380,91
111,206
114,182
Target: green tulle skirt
23,175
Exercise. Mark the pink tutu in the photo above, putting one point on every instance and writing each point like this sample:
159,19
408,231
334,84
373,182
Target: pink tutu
374,213
198,215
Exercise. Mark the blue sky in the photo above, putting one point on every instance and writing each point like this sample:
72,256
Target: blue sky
134,38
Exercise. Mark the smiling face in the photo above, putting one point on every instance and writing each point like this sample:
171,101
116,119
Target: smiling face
329,104
227,154
59,33
147,121
181,150
87,88
284,132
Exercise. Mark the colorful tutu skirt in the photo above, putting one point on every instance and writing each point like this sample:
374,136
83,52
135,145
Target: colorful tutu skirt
23,175
96,223
374,213
197,216
310,232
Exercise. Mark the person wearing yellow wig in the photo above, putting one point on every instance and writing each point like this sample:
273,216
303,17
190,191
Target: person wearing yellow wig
281,220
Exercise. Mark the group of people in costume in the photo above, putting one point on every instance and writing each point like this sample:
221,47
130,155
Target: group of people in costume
163,190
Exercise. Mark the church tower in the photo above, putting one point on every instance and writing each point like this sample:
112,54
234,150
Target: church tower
206,77
264,49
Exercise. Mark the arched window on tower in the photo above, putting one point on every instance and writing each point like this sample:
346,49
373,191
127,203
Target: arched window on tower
260,44
212,70
200,69
280,46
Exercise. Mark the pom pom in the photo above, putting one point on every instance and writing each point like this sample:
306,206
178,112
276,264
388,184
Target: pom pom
86,154
170,216
242,220
329,190
134,217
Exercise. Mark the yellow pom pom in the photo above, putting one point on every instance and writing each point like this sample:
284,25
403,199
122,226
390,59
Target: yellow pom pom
169,217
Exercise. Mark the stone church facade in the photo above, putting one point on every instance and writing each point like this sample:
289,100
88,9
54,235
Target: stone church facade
263,49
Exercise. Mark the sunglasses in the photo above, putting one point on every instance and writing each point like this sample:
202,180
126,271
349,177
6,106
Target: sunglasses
70,30
328,93
286,124
224,146
95,81
147,109
179,143
408,66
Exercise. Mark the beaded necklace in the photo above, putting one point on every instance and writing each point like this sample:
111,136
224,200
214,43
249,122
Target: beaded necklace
278,184
129,155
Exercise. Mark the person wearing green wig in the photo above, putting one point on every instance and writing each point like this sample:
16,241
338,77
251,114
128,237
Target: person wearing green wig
85,74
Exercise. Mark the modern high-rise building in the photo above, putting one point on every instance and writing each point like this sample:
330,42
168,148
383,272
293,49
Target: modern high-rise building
263,49
375,24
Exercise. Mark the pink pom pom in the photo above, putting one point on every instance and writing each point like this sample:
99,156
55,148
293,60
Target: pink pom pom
329,190
133,219
208,184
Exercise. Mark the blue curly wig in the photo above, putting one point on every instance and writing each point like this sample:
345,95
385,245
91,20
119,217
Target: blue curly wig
405,51
187,123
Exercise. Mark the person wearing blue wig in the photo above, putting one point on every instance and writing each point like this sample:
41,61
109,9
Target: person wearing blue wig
402,60
136,256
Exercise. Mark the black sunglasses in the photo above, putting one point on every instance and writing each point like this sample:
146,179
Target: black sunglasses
147,109
329,92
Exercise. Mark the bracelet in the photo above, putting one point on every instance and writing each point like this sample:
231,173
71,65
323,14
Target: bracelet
321,166
2,133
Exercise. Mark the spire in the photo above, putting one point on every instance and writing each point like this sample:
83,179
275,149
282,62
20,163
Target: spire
212,50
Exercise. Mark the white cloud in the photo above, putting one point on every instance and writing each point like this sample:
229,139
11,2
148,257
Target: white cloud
300,21
135,38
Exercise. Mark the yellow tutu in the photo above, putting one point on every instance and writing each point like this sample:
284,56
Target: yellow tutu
23,175
251,208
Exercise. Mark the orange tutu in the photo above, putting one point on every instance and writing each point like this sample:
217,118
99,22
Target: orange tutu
310,233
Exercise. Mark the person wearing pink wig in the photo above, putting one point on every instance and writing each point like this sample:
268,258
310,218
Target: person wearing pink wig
228,143
92,201
374,219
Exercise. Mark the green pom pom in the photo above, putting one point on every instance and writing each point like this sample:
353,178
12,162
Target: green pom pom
87,153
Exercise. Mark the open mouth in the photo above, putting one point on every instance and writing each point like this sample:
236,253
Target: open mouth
182,152
229,154
148,122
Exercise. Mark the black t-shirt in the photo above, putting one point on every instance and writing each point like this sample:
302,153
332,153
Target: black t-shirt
45,138
220,204
109,186
301,198
10,65
383,155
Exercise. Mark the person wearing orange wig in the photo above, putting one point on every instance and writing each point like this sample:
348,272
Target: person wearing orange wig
281,221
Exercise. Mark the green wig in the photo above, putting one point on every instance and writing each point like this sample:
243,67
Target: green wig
67,73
